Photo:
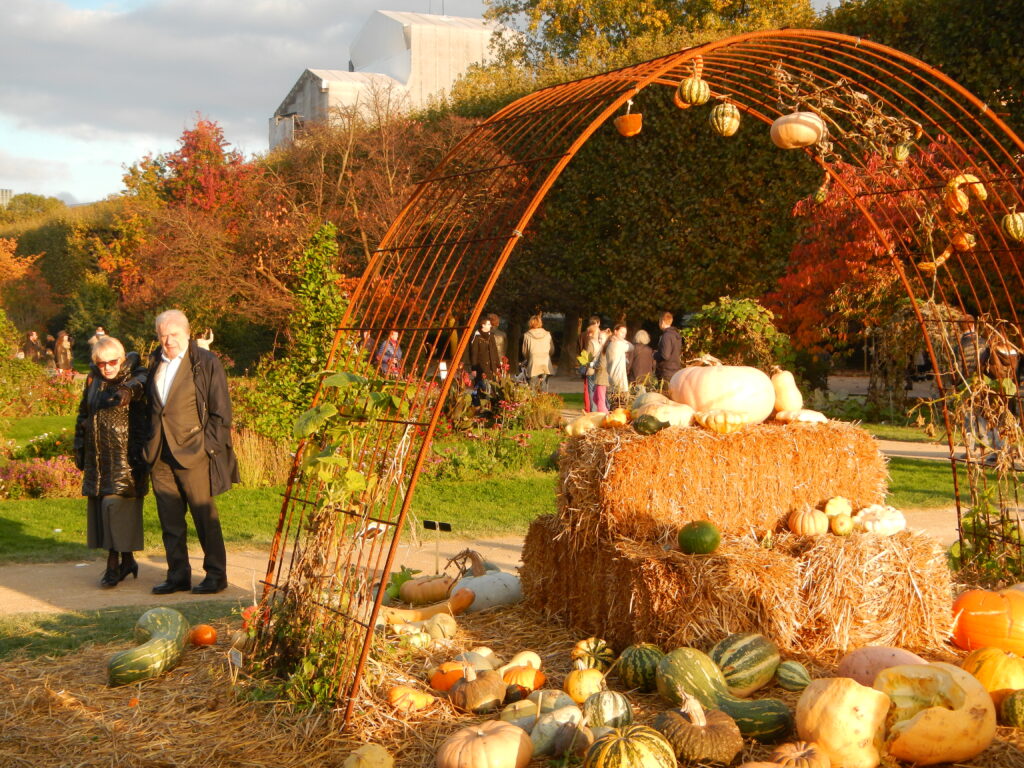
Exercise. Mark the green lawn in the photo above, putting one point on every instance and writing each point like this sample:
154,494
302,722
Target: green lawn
52,634
22,430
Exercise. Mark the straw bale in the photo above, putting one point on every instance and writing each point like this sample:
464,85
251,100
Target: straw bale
616,483
818,595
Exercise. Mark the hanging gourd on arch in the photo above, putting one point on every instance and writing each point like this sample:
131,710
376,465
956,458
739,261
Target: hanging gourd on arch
693,90
630,123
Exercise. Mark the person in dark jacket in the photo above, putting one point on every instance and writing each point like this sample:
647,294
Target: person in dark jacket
483,360
189,452
32,349
670,349
109,435
641,362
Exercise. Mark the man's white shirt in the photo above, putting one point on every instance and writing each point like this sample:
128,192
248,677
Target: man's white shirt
166,373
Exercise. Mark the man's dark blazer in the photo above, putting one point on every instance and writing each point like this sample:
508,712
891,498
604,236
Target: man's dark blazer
196,420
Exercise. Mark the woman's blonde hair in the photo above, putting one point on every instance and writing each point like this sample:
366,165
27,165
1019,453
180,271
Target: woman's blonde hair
536,321
107,342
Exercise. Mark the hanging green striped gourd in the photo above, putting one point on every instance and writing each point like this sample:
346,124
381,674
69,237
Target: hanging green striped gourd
693,91
724,118
638,664
1013,226
162,633
609,708
792,676
594,652
748,662
690,670
632,746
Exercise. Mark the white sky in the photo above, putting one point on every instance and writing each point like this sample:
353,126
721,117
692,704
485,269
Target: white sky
90,86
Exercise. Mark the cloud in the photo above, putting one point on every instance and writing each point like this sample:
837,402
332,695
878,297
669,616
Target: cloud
111,73
30,168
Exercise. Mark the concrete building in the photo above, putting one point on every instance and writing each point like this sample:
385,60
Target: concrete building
5,197
413,57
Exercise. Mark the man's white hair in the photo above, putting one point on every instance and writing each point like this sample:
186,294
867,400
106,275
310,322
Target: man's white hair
173,317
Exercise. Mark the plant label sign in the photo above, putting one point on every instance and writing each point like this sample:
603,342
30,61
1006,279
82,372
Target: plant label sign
437,527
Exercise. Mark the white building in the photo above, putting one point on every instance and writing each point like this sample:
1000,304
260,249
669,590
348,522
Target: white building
417,56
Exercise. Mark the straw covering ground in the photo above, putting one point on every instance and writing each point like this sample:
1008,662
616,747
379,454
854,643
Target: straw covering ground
59,712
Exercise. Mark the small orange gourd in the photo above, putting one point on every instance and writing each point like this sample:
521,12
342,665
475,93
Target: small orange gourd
203,634
526,677
445,676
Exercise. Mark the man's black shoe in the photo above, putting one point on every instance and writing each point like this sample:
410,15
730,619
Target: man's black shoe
167,587
210,586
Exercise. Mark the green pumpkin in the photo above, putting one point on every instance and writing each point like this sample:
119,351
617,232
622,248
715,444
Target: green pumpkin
632,746
1011,710
691,671
748,662
637,665
724,119
694,91
594,653
162,633
647,424
701,537
792,676
608,708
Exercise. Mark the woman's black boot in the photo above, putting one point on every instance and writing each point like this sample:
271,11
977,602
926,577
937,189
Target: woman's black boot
112,575
128,565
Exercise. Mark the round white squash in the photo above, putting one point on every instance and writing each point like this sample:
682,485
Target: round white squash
734,388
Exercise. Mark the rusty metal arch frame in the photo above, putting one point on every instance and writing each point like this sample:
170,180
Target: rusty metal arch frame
436,267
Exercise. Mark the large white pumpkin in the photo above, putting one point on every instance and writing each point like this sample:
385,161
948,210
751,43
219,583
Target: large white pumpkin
736,388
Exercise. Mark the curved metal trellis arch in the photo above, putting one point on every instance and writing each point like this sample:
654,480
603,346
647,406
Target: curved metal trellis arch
435,269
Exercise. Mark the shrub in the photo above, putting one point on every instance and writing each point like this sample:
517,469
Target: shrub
54,478
262,461
46,446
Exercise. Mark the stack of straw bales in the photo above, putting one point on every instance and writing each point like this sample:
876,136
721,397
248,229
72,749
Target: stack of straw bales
607,562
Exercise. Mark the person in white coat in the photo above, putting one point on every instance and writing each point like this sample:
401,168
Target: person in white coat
617,363
538,347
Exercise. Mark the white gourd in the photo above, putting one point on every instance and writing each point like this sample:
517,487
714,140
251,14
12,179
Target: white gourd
492,588
879,519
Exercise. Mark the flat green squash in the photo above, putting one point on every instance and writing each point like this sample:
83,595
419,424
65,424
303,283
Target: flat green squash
162,633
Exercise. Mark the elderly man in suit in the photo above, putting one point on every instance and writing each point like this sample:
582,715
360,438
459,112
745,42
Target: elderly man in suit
189,450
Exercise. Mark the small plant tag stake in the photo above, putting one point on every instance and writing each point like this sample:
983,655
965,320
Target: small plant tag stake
437,527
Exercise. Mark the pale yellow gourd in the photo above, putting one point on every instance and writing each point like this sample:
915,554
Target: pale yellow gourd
803,415
721,421
787,394
583,424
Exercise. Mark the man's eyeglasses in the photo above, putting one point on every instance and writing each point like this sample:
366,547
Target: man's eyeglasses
108,363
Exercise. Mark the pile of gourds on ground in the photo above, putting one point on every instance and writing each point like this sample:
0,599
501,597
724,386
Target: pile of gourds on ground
702,537
437,599
720,398
162,635
880,702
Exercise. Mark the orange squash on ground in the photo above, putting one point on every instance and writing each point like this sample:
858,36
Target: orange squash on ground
527,677
986,619
203,634
445,676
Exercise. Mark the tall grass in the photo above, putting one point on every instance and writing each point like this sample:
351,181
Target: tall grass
262,461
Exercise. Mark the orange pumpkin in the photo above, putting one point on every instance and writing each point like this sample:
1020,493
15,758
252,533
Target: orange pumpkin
985,619
203,634
630,124
808,522
444,677
1001,673
527,677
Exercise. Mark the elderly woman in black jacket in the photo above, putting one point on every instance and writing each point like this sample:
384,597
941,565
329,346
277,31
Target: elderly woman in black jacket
109,436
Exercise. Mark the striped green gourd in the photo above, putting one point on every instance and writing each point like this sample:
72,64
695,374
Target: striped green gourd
792,676
748,661
724,119
637,665
694,91
608,708
162,633
632,746
594,652
693,671
1013,226
1011,710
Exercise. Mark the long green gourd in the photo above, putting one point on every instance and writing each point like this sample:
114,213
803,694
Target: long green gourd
162,633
